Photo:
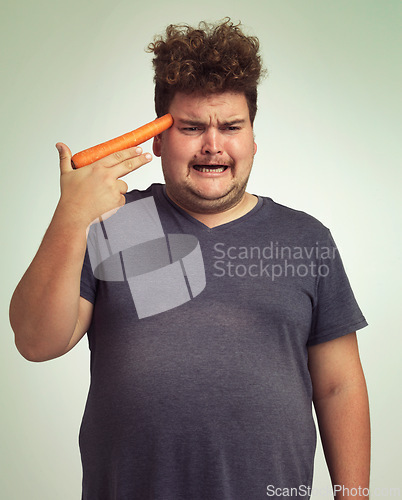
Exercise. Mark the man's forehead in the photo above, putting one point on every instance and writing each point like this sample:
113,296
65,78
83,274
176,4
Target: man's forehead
226,106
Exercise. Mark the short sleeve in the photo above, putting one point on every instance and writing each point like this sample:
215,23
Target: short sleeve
335,311
88,281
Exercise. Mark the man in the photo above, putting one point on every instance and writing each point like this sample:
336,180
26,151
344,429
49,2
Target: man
211,399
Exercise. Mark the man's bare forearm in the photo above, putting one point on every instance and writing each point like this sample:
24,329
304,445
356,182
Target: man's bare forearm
46,312
44,306
344,422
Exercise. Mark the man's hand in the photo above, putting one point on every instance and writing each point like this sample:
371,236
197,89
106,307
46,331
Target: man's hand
91,191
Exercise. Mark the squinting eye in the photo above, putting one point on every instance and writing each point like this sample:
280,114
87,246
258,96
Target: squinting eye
230,128
191,129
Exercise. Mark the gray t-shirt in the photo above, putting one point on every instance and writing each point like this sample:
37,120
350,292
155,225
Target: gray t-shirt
212,399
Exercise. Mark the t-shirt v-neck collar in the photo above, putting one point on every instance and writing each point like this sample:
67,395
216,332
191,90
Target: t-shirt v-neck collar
163,196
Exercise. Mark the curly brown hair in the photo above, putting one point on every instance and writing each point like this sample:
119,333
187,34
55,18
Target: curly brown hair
212,58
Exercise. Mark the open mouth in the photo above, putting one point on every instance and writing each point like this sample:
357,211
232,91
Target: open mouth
210,168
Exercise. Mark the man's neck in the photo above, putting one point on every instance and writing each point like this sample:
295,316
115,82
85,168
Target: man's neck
247,203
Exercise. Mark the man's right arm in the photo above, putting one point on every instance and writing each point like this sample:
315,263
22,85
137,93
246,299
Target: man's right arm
47,314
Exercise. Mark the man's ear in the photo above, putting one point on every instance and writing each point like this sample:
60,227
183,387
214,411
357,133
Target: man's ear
157,146
255,148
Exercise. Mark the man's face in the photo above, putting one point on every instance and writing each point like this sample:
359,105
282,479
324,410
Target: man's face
208,152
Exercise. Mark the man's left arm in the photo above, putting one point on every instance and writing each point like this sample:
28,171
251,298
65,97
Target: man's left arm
341,404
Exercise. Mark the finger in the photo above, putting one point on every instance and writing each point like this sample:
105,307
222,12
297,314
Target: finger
65,157
130,165
123,187
119,157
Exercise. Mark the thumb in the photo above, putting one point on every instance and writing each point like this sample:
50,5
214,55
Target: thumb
65,157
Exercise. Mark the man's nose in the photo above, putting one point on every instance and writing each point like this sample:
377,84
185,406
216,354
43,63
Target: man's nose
212,142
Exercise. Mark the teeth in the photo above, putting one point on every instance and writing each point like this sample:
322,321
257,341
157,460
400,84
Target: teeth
204,169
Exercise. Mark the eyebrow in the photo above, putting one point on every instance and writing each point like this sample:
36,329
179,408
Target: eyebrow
195,123
239,121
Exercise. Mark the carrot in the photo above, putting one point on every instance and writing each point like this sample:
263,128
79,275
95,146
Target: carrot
125,141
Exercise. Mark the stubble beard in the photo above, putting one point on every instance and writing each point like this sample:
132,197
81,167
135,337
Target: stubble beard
193,200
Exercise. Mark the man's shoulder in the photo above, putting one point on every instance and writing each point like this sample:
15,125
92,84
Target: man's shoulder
292,219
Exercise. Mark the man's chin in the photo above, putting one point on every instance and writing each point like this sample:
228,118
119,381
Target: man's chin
207,202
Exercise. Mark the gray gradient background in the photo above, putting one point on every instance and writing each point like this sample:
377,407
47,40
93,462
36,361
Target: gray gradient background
326,131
